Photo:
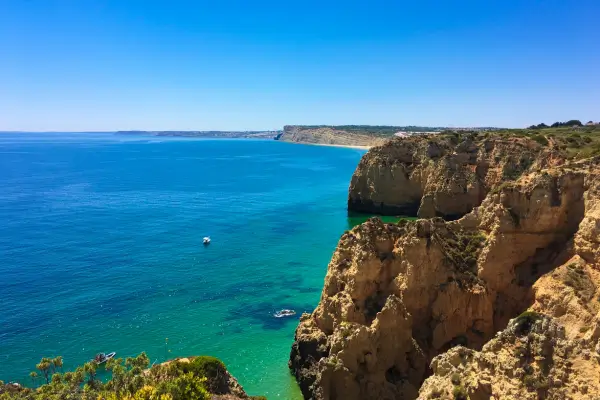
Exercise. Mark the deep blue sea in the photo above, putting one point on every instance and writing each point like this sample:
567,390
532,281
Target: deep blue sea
101,248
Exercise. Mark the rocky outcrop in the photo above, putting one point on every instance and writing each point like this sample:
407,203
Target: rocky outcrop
329,136
551,351
533,358
219,382
397,297
441,175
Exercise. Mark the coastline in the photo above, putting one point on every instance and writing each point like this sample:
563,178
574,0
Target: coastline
243,165
347,146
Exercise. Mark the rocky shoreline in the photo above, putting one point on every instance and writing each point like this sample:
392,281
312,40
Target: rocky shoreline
497,298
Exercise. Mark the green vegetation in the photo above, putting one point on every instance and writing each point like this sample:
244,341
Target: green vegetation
211,368
461,248
501,187
131,380
540,139
459,393
355,219
570,138
535,382
577,278
455,378
570,123
525,321
373,130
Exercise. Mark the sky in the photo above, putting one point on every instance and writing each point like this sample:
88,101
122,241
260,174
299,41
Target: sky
104,65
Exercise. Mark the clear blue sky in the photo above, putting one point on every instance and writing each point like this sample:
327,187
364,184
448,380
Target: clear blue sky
156,65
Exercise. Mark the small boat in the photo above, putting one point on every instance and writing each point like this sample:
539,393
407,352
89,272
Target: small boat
206,240
101,358
284,313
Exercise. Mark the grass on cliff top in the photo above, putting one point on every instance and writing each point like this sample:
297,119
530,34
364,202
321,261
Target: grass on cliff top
355,219
373,130
575,142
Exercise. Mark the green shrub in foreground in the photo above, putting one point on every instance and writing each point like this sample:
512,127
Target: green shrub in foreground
131,380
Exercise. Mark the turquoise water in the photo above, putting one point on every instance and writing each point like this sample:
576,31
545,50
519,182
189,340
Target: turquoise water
100,248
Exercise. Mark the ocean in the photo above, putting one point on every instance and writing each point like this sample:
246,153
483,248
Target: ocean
101,248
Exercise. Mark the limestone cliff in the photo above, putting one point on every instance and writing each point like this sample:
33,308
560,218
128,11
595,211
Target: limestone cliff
533,358
551,351
441,175
399,298
329,136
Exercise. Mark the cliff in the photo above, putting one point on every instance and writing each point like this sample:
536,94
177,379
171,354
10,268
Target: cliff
331,136
441,175
422,301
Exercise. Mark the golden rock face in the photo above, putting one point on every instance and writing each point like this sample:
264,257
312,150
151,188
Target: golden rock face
441,175
417,309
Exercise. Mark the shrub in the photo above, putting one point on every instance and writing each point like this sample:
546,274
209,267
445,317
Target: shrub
540,139
186,386
501,187
577,278
455,378
210,368
130,381
535,382
529,381
459,393
525,321
461,248
207,366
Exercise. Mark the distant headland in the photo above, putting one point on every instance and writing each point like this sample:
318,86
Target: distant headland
209,134
362,136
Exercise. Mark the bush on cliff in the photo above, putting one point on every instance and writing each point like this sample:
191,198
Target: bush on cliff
461,248
540,139
131,380
210,368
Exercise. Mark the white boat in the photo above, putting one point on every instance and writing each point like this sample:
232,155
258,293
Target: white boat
101,358
284,313
206,240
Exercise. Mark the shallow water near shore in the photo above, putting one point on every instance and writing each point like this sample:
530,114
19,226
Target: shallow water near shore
101,248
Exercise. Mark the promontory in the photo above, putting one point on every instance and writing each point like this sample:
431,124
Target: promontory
491,294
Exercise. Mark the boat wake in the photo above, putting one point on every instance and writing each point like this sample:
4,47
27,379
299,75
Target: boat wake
284,313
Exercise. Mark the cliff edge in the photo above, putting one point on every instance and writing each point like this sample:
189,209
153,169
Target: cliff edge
413,310
441,175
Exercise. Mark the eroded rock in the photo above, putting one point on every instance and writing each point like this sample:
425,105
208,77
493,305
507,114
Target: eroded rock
397,296
441,175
